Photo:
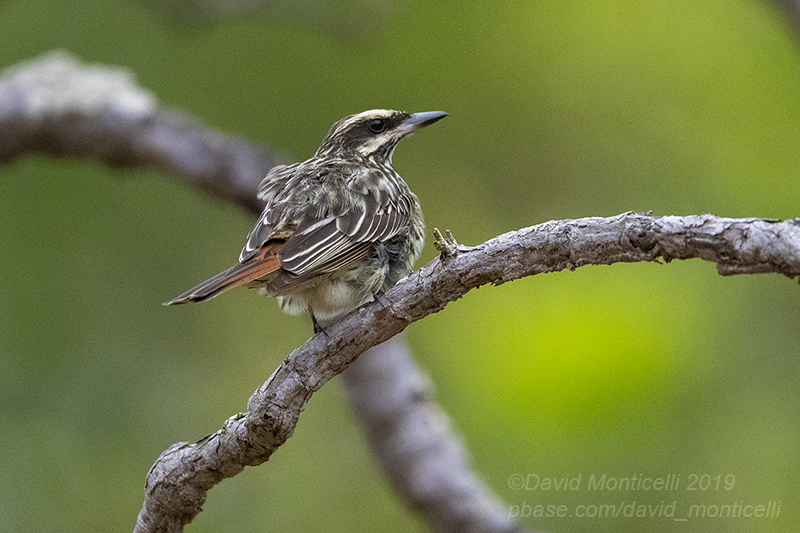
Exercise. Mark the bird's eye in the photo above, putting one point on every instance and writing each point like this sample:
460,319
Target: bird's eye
377,125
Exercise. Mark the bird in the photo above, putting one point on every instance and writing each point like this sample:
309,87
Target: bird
337,229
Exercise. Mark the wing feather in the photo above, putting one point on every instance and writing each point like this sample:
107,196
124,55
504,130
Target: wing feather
343,232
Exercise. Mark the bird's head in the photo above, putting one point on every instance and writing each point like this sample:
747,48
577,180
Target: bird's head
373,134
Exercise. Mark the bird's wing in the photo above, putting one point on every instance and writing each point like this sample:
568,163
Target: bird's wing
274,190
336,241
338,231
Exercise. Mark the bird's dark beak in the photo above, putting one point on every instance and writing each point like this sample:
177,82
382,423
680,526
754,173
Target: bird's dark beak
416,121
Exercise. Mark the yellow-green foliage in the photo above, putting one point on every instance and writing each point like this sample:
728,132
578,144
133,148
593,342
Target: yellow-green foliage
557,110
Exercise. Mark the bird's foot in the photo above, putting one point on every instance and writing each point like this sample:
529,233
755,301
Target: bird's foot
317,328
446,244
378,297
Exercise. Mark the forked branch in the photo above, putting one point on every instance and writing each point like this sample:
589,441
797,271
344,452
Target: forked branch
59,106
177,484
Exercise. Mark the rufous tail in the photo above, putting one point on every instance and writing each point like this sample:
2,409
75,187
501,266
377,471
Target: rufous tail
262,264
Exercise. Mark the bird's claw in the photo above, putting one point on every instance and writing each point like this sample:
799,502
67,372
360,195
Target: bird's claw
446,244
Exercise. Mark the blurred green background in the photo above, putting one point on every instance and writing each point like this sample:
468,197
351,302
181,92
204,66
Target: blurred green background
558,110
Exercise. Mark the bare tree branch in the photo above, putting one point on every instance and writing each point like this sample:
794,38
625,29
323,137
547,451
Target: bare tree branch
57,105
415,443
791,11
60,107
178,482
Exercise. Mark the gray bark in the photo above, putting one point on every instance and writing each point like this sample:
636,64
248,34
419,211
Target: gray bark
57,105
177,484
